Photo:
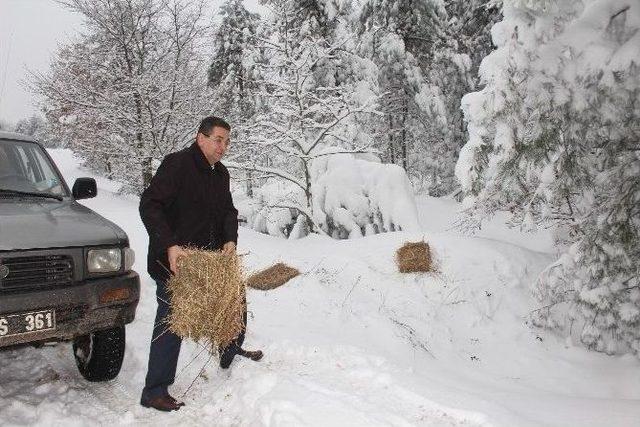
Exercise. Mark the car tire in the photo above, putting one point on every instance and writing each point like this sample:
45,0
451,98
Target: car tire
99,354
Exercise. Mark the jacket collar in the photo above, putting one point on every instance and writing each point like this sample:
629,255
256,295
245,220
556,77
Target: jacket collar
200,159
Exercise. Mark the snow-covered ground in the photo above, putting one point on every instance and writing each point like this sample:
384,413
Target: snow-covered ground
352,342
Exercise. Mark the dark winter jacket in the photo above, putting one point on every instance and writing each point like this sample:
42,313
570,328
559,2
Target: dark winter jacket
188,203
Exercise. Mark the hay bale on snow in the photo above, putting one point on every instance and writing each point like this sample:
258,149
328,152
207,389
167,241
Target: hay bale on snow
272,277
207,298
414,257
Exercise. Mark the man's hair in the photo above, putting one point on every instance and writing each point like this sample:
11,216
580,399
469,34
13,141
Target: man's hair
208,123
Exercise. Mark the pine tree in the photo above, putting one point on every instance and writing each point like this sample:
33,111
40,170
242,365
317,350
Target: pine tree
399,38
425,52
454,71
233,79
228,73
554,139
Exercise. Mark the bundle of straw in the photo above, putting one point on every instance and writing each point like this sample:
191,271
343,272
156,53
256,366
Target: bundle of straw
414,257
207,298
272,277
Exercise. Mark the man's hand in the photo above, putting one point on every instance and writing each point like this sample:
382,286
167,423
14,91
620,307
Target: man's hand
173,253
229,248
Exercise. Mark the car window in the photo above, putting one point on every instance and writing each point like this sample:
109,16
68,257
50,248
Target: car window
25,167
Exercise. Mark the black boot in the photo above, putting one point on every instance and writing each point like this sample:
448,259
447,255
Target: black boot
253,355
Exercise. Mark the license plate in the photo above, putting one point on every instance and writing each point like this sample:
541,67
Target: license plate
27,323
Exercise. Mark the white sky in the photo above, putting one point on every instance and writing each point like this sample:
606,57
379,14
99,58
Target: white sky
30,31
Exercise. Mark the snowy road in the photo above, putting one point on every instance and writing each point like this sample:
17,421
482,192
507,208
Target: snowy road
351,342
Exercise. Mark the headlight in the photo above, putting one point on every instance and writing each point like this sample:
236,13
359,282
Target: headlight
129,258
104,260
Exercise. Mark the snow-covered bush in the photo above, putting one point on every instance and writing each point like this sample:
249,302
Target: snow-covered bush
554,138
351,197
272,210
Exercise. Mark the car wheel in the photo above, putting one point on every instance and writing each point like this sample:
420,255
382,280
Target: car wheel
99,354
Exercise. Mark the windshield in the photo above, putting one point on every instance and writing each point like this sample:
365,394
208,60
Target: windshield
25,167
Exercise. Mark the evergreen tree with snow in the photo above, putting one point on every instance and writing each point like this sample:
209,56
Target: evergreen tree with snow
454,70
554,139
325,18
228,73
469,27
399,36
425,52
234,81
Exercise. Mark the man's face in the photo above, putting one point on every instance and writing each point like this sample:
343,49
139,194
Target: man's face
215,145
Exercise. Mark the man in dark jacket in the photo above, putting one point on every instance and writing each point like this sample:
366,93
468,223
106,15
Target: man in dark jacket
188,203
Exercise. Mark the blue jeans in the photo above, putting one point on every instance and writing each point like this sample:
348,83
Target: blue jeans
164,352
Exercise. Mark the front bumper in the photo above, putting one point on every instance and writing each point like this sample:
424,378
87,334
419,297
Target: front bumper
79,309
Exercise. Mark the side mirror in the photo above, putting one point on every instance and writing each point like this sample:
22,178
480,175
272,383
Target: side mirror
84,188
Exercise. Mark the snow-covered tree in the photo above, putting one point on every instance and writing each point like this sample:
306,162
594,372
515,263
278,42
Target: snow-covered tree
31,125
306,115
399,37
233,81
325,18
36,126
469,25
228,73
132,88
453,70
554,137
425,53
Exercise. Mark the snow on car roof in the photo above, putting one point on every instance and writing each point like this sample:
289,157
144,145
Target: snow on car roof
16,136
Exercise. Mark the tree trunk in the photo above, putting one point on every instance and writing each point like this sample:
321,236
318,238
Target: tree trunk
392,154
109,169
147,172
249,186
308,195
403,141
